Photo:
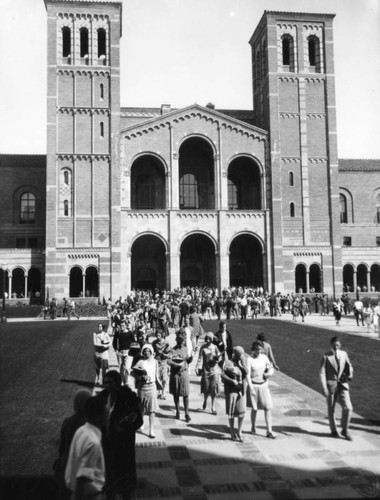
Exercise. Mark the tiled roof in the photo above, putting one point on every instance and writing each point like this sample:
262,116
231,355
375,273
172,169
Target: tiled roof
350,165
24,161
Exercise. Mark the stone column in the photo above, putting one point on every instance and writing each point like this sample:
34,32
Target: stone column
175,269
355,280
307,281
368,280
26,285
83,284
175,182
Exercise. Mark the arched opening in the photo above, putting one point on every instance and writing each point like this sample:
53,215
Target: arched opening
83,42
292,211
315,278
34,282
101,91
76,282
66,41
65,208
348,278
246,261
101,129
66,177
286,50
148,263
343,208
101,42
18,283
313,46
196,175
300,278
91,282
361,276
4,282
244,183
291,179
197,262
147,184
375,277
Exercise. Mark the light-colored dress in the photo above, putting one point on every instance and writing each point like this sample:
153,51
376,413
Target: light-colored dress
146,384
259,396
208,363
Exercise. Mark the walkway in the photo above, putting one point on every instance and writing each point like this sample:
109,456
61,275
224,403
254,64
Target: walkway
198,460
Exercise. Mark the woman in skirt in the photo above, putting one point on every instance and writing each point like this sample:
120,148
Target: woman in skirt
145,372
207,366
258,394
161,349
179,384
234,377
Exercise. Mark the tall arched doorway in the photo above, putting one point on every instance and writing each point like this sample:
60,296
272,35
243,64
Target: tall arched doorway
92,282
148,263
147,183
196,175
300,278
246,261
348,278
34,282
4,282
76,282
18,282
375,277
198,266
362,272
315,278
244,185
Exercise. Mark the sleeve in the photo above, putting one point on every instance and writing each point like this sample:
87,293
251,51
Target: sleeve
89,461
268,369
322,373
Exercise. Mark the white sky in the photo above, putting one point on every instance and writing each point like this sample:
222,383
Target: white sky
185,51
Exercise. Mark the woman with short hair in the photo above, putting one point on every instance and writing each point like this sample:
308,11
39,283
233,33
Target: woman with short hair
207,366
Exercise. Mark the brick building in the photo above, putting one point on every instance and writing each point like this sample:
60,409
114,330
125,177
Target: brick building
160,197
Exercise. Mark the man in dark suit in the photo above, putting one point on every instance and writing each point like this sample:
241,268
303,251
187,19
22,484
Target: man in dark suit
335,373
223,340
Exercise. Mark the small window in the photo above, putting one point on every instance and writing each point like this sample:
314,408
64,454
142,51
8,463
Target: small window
101,129
27,208
292,210
83,42
66,208
66,177
66,41
101,91
312,51
101,42
291,179
347,241
378,241
32,243
343,209
20,242
286,51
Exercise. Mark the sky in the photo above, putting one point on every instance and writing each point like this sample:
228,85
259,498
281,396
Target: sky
181,52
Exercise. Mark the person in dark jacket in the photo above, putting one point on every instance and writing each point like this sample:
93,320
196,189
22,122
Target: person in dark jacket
223,340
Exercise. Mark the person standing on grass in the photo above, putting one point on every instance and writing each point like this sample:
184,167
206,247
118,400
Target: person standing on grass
101,341
207,367
258,394
335,373
358,311
85,469
234,377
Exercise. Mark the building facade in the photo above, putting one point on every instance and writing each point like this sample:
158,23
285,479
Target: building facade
162,197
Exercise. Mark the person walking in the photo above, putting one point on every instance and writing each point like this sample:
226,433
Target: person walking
358,311
267,349
335,373
161,350
207,367
258,394
101,341
337,311
234,377
223,340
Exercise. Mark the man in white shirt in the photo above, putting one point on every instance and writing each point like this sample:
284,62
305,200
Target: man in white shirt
102,343
358,311
85,469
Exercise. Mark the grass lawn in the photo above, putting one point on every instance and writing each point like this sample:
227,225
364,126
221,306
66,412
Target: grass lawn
298,350
44,363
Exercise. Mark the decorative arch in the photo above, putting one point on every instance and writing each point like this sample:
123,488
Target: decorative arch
348,277
76,281
149,233
34,285
198,251
315,278
314,53
362,276
288,52
301,278
246,260
91,285
18,282
23,212
148,182
375,277
148,262
346,204
244,177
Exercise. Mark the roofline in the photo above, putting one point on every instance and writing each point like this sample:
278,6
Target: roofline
284,12
203,108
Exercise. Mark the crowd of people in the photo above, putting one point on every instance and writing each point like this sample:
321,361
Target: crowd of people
150,366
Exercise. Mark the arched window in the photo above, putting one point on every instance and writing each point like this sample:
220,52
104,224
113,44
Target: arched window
343,209
27,208
66,177
101,42
101,91
291,178
232,195
311,51
378,208
83,42
101,129
313,46
292,209
66,41
188,191
66,208
288,52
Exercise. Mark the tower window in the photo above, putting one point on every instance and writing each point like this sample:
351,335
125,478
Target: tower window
314,52
66,177
27,208
291,179
101,91
66,208
286,51
343,209
292,210
101,127
312,47
83,42
101,42
66,41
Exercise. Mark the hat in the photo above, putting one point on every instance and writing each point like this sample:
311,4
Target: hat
147,346
209,335
238,350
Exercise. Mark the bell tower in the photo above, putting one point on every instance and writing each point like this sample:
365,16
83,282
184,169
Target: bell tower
294,99
83,175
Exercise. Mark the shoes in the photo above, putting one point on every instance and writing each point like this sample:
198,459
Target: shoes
270,435
213,412
335,434
346,435
152,435
253,430
204,405
177,416
187,418
239,438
